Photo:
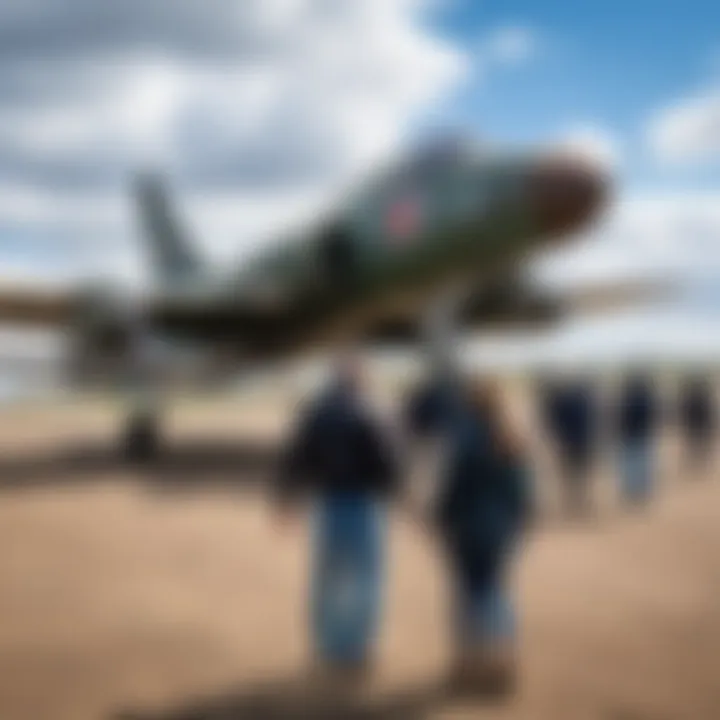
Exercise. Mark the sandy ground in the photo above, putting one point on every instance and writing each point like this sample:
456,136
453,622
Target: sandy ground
173,595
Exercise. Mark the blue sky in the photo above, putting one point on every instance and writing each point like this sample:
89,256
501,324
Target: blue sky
611,63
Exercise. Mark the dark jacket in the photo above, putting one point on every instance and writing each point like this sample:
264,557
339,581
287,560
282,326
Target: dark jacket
484,503
574,418
638,412
431,407
337,448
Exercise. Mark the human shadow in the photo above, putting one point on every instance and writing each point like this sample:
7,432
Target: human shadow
307,698
296,699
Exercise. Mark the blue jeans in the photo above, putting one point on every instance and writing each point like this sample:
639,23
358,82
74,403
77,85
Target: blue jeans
636,469
483,616
347,580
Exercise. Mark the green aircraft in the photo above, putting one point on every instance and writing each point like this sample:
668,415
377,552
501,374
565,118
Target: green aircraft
449,218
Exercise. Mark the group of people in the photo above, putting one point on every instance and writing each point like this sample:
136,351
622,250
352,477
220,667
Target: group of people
342,462
577,424
345,466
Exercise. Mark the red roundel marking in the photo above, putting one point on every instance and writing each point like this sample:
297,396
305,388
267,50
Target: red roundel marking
403,218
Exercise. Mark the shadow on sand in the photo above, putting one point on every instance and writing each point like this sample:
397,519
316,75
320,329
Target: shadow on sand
297,699
203,464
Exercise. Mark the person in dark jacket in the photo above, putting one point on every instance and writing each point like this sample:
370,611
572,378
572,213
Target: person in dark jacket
636,425
698,420
573,419
431,406
340,459
481,512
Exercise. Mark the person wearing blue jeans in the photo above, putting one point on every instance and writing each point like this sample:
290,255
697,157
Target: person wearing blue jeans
483,612
637,421
571,415
483,507
340,459
347,577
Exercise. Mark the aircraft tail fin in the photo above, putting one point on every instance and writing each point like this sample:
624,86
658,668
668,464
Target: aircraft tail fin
171,254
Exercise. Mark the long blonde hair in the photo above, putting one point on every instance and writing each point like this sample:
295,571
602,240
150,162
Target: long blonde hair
488,399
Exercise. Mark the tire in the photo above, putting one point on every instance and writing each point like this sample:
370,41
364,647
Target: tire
141,441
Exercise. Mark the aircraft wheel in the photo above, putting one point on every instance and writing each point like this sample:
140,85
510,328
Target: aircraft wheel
141,442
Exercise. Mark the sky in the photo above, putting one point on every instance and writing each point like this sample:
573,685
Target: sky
261,110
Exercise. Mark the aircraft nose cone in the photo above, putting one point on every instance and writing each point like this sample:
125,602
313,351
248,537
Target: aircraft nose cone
566,192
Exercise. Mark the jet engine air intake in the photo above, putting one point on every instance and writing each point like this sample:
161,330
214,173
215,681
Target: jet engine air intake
103,340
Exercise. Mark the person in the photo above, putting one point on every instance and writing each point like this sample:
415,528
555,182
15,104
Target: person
430,407
698,419
340,459
481,510
637,419
573,421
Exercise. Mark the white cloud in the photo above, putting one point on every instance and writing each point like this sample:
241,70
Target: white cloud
327,90
687,131
636,337
256,109
675,234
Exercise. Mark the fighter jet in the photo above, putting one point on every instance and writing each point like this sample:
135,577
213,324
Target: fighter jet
446,218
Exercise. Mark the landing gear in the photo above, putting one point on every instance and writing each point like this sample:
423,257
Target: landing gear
440,333
141,438
140,442
430,403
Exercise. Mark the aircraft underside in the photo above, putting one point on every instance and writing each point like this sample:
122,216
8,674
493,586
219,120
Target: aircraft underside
434,327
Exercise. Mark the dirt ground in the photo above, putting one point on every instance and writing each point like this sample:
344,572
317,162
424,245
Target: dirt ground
172,594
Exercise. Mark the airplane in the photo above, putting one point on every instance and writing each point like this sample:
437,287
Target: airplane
451,220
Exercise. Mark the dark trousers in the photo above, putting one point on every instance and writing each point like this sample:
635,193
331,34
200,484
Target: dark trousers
482,612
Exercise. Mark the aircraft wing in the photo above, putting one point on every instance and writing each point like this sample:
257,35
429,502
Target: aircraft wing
516,302
190,333
24,307
598,297
33,307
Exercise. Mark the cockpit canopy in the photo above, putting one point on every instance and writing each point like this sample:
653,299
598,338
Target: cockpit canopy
439,155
